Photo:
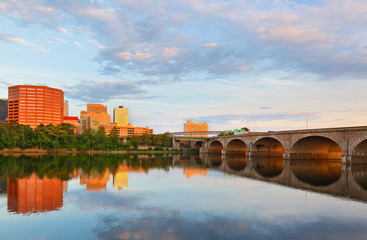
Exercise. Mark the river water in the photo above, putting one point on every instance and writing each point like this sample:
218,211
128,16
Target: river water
180,197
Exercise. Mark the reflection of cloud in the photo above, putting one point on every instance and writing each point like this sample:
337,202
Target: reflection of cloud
172,225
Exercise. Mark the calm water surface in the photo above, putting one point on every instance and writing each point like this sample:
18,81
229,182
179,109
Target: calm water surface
180,197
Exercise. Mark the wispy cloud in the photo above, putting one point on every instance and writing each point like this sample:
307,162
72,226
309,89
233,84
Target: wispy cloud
93,90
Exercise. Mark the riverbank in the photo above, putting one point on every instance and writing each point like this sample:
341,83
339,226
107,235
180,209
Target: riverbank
35,152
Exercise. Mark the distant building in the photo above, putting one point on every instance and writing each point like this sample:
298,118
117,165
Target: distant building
73,121
32,194
129,130
3,110
35,105
95,116
121,116
191,126
66,108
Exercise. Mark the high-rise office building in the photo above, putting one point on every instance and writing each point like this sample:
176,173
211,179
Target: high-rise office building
3,110
121,116
35,105
95,116
66,108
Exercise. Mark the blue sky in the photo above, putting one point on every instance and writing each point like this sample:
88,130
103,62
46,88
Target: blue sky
263,64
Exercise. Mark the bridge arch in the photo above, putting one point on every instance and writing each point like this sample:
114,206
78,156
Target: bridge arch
316,147
268,146
198,145
361,149
215,147
236,146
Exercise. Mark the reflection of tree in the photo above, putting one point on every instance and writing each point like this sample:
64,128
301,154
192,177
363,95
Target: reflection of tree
64,167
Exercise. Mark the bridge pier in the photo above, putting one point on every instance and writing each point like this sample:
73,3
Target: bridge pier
346,159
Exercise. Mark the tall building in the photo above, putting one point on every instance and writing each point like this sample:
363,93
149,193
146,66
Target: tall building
3,110
121,116
95,116
73,121
35,105
191,126
66,108
32,194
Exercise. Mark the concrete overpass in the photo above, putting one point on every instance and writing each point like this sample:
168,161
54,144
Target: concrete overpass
328,143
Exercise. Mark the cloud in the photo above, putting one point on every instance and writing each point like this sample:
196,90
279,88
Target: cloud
226,119
63,30
56,40
124,56
93,90
294,35
210,45
5,38
142,56
97,44
319,38
170,52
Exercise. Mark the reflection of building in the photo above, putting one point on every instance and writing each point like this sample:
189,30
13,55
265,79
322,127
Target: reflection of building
3,186
35,105
120,178
30,195
3,110
121,116
189,172
95,181
191,126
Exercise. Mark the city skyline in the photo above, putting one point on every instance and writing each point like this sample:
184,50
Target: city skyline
266,65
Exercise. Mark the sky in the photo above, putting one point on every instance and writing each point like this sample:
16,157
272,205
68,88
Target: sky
263,64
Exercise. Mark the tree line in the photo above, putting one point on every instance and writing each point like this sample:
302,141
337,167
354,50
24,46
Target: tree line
62,136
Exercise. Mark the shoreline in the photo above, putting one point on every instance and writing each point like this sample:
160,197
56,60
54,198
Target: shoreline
18,151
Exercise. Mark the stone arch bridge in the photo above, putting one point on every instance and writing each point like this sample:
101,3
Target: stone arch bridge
328,143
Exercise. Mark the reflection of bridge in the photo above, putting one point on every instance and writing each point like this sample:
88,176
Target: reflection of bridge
331,143
329,177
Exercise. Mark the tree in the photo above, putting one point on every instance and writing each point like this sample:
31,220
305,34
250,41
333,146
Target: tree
245,129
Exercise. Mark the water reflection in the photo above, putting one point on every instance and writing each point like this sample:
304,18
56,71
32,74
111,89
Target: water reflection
28,186
121,176
236,162
317,172
359,173
95,181
214,160
268,167
32,194
180,197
